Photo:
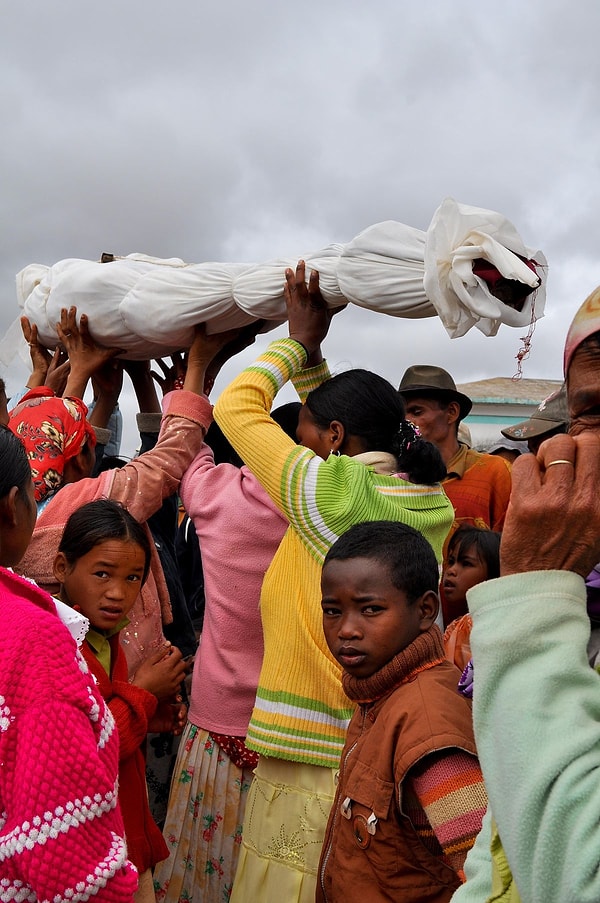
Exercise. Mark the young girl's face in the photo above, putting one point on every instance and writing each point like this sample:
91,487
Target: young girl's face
366,619
104,583
463,570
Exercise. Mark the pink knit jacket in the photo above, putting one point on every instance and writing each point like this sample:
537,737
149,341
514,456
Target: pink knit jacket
61,831
141,485
239,530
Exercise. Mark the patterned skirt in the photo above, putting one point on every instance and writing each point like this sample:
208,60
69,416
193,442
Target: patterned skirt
203,828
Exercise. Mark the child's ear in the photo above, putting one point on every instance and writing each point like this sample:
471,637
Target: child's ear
429,605
60,567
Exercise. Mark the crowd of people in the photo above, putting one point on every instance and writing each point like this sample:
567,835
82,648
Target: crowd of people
389,690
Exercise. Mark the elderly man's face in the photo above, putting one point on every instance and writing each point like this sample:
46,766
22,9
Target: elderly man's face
434,421
583,390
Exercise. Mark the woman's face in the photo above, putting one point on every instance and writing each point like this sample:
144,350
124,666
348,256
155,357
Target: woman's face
583,390
311,435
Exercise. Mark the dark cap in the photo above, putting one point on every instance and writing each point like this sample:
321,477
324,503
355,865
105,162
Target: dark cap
551,413
433,382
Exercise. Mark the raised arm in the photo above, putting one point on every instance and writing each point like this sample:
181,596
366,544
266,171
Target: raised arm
243,408
47,369
144,482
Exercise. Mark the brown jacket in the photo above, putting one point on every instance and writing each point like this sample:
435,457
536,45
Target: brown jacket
371,851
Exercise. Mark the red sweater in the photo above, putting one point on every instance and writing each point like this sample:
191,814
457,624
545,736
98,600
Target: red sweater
132,708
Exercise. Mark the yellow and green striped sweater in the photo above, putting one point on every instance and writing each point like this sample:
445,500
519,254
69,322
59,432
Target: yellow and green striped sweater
301,712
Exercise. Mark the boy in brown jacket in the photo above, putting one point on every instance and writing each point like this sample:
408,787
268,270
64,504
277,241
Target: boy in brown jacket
410,796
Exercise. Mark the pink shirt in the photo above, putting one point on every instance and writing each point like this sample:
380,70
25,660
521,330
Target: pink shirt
239,530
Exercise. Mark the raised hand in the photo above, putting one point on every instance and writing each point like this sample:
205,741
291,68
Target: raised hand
40,356
308,314
171,375
202,352
48,369
245,337
86,356
553,519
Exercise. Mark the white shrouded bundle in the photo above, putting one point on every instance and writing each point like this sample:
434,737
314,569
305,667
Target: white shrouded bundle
149,306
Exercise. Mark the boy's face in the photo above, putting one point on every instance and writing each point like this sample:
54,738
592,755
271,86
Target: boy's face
366,619
104,583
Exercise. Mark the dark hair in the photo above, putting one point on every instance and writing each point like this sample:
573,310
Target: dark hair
485,542
222,449
14,463
97,522
286,415
405,552
369,407
111,462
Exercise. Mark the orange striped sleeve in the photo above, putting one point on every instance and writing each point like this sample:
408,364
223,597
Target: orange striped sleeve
445,799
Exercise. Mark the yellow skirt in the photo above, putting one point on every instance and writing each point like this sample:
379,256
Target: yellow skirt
286,816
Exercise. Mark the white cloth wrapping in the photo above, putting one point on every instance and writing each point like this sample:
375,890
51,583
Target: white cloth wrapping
149,306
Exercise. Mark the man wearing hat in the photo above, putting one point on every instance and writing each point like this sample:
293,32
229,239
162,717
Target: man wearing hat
550,419
478,485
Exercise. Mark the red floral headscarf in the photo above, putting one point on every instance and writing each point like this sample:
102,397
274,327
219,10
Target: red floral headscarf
53,430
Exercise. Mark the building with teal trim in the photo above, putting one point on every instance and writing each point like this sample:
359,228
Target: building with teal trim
502,402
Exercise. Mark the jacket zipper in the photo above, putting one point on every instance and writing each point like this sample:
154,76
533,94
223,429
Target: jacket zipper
336,802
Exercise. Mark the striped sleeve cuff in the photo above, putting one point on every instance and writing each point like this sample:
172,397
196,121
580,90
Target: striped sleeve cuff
306,380
281,360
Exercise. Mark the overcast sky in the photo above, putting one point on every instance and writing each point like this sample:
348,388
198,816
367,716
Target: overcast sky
242,131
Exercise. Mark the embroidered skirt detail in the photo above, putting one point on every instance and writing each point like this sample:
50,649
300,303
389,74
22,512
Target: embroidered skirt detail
286,816
203,828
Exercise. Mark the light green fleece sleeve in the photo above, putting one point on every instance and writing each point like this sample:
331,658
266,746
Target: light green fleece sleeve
478,867
537,725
